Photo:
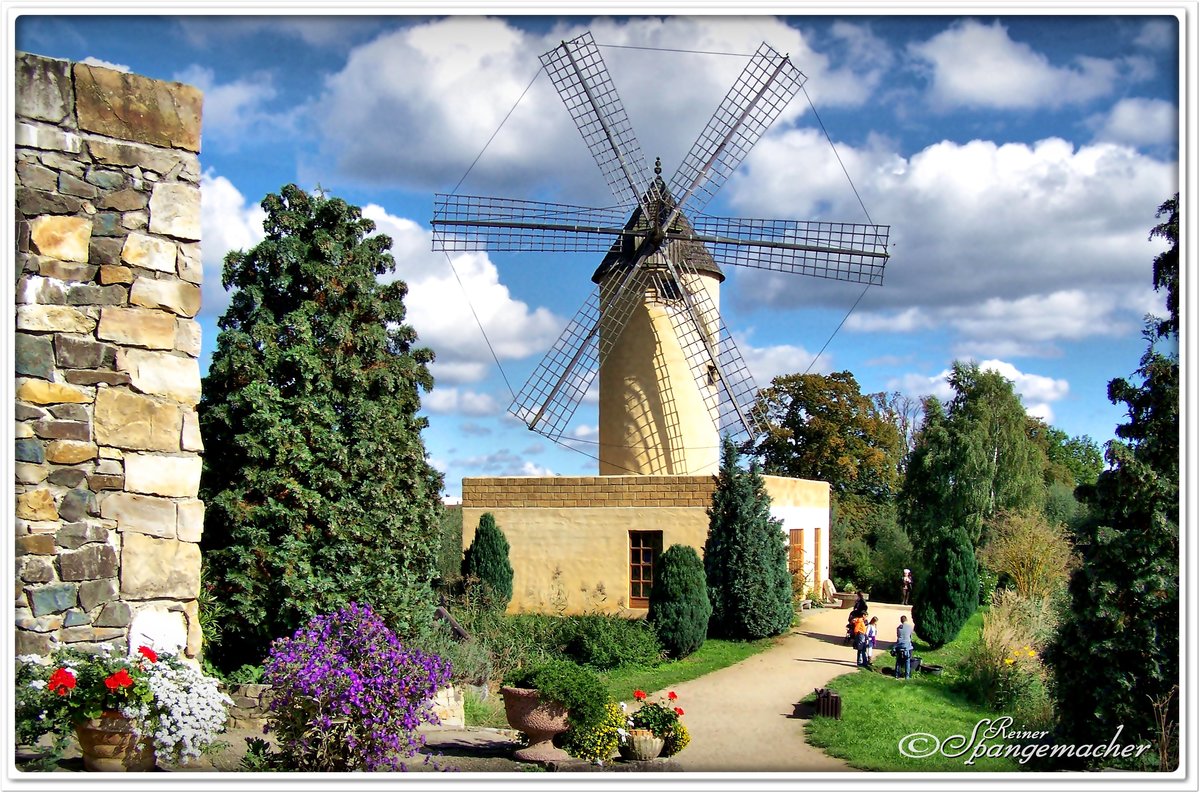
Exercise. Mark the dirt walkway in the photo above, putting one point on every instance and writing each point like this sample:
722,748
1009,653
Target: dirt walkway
747,717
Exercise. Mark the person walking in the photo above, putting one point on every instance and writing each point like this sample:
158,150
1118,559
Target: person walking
859,632
904,648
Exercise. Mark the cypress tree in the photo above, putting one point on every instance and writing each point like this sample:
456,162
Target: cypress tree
486,559
679,607
315,478
745,558
947,591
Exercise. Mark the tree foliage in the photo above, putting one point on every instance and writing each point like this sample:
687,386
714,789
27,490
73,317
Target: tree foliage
745,556
1033,553
486,559
972,458
317,487
679,606
823,427
1122,644
947,587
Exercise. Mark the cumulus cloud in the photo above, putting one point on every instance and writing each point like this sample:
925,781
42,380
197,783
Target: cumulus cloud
463,76
440,309
236,109
226,224
474,429
977,65
1037,392
1138,122
460,401
116,67
766,363
502,463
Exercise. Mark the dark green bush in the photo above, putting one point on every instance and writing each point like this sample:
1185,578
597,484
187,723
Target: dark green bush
450,552
679,606
486,559
574,687
948,592
604,641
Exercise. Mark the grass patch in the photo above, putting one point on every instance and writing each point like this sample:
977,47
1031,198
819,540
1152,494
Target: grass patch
714,654
878,711
479,712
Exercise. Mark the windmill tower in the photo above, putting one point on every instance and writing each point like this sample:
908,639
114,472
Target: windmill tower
671,377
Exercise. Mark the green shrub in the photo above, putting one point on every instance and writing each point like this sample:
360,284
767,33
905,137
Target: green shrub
949,588
679,605
487,559
604,641
745,558
1003,669
450,552
470,660
574,687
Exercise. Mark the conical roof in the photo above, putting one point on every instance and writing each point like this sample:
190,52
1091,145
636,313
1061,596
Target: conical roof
695,254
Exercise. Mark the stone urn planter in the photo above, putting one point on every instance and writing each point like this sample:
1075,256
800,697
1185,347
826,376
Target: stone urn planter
108,743
540,721
641,745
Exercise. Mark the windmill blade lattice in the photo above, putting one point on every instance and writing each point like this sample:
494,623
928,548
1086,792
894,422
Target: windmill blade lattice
761,92
855,252
582,80
558,384
477,223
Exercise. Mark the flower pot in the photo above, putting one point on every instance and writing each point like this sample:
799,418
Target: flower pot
540,721
108,743
641,745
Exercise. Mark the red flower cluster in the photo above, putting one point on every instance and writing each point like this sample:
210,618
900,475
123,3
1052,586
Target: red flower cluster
118,680
639,695
671,695
148,653
679,711
61,682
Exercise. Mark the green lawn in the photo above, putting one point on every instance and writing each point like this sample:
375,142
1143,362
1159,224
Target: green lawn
714,654
878,712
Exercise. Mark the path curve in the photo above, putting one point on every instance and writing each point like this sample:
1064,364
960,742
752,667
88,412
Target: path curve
747,717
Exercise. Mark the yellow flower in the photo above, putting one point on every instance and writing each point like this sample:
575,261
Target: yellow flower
1010,660
1032,654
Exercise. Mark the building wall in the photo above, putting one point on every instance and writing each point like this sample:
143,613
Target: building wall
108,449
569,536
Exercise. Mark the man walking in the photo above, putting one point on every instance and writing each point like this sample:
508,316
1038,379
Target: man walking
904,647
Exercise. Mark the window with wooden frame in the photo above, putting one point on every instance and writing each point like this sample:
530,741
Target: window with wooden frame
796,551
644,549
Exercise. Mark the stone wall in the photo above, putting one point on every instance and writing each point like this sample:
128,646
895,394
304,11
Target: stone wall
589,491
108,279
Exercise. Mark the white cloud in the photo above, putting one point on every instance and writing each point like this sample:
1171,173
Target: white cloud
502,463
474,428
440,309
1037,392
237,109
226,224
766,363
1157,35
462,402
976,65
1138,122
116,67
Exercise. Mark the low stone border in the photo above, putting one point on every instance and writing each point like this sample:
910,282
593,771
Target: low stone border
249,708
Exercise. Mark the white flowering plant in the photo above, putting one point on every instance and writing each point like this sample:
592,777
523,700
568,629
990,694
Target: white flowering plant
168,702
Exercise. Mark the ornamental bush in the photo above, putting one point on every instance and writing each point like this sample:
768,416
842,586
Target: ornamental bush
486,559
574,687
949,588
348,696
679,605
606,641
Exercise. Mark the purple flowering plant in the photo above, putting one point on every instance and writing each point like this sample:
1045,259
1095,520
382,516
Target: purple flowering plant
347,695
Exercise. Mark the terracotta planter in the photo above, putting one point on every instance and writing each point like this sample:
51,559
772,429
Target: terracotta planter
108,744
539,720
641,745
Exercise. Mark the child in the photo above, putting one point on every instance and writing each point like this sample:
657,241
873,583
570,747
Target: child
872,631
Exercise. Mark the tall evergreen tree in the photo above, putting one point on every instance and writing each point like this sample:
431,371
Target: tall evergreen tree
745,556
1119,652
317,487
949,592
679,607
486,559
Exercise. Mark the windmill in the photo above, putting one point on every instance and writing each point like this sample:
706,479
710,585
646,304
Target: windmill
671,377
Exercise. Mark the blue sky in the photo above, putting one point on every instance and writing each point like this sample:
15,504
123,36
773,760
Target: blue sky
1019,161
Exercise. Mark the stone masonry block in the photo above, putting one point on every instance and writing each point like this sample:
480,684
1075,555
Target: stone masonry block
136,108
132,421
162,474
45,88
137,327
140,514
163,374
175,210
63,237
159,568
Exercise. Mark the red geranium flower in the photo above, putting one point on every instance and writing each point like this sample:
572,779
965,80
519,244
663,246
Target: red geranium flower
118,680
150,655
679,711
672,696
639,695
61,682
